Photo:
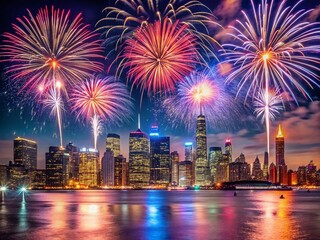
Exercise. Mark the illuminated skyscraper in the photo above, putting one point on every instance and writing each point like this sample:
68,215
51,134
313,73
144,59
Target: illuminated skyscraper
223,169
215,155
228,149
160,157
175,168
139,159
120,171
89,167
239,169
311,173
57,167
113,143
188,151
25,153
302,175
282,172
201,166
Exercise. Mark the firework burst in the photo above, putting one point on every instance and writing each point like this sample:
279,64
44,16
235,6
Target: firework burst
50,47
274,49
127,16
159,55
200,93
100,99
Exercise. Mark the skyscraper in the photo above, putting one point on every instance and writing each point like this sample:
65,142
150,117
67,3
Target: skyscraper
228,149
265,166
201,165
57,167
188,151
282,171
89,167
175,168
120,171
25,153
113,143
215,155
139,159
160,157
273,173
107,163
223,169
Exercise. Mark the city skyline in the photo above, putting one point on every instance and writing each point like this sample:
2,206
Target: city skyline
300,124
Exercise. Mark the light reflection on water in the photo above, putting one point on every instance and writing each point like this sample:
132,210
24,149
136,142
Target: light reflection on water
161,215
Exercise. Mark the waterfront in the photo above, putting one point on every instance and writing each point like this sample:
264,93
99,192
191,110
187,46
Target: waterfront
156,214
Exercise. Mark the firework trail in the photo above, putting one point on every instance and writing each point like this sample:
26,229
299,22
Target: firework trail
201,93
276,48
127,16
54,102
159,55
267,106
50,49
98,99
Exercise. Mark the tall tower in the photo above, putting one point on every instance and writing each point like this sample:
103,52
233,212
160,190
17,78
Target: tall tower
25,153
201,166
282,173
139,159
228,149
113,144
160,157
279,148
89,167
265,166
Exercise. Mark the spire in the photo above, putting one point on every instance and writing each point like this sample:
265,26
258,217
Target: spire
280,135
139,121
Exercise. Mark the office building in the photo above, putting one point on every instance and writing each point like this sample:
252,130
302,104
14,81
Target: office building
292,178
74,161
107,164
25,153
3,175
215,156
139,159
311,173
160,158
18,175
175,168
57,167
185,173
120,171
89,167
223,169
302,175
202,177
113,144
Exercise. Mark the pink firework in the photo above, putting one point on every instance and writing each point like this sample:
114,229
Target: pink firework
159,55
103,97
50,47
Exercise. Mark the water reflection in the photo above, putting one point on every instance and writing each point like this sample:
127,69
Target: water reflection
161,215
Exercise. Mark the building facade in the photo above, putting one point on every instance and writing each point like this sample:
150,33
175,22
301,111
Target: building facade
185,173
25,153
201,165
113,144
57,167
139,159
89,169
215,156
175,168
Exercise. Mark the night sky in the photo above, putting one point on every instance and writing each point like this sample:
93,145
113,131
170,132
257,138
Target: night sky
300,124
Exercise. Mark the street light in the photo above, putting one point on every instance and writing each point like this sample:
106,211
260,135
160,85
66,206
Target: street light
3,189
23,190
